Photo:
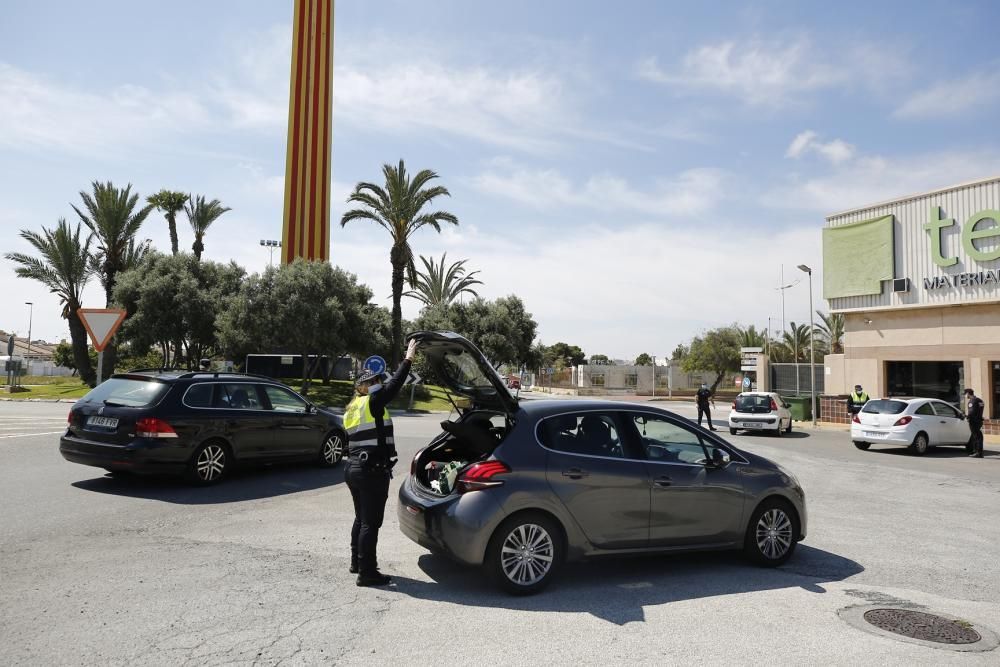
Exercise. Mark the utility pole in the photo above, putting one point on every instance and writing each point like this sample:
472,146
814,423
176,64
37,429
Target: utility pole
31,312
812,346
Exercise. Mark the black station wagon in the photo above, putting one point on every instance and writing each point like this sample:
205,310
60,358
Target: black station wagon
197,424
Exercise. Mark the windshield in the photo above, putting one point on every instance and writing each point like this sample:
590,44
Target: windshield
753,403
128,392
884,407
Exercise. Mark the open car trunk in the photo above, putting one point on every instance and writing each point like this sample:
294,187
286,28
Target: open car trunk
469,439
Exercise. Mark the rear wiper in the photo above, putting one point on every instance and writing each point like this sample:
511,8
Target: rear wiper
112,404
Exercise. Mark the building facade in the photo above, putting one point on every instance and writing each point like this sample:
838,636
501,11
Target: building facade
918,282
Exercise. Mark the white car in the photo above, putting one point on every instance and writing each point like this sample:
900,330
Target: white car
917,423
760,411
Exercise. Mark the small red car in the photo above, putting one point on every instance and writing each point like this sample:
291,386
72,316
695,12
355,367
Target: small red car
513,382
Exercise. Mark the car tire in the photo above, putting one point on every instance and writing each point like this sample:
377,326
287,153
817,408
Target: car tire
772,533
524,553
920,444
788,429
779,431
331,452
211,462
862,445
732,431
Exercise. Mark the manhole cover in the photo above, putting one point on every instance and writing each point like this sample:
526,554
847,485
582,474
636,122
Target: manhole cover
919,625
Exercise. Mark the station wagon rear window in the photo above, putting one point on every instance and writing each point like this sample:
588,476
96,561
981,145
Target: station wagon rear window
884,407
127,392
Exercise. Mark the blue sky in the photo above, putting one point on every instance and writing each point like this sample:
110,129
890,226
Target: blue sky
636,172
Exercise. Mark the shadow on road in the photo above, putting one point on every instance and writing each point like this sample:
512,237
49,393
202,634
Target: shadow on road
618,589
955,452
245,484
771,435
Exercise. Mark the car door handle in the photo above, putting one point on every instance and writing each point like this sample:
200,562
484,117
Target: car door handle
575,473
663,480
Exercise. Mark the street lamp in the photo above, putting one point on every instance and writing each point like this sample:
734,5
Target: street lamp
270,244
812,346
31,312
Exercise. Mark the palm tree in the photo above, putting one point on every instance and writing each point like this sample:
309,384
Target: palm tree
170,203
437,286
796,340
832,331
201,216
64,268
750,337
396,208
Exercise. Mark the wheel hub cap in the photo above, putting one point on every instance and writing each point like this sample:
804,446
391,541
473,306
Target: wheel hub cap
526,555
774,534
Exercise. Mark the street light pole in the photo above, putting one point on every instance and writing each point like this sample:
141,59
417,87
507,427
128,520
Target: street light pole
270,244
31,312
812,345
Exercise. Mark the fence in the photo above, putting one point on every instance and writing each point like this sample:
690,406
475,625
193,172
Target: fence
793,379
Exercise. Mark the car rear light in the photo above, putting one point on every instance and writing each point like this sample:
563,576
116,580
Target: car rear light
481,476
69,418
153,427
734,406
854,418
774,406
903,421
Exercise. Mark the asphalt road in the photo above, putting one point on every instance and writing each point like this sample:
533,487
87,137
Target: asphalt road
95,570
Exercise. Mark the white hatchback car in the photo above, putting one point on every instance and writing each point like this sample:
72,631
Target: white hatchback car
917,423
760,411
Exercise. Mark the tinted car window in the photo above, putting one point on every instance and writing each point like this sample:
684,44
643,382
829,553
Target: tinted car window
129,392
283,400
668,442
590,433
237,396
753,403
946,410
884,407
198,396
925,409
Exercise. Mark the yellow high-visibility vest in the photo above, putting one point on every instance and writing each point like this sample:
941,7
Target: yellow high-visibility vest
360,425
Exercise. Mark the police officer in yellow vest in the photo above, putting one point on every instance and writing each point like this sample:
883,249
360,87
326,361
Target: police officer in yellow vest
856,400
371,456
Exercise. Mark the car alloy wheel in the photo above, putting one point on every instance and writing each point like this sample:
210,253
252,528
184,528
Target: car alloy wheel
920,444
780,431
210,463
524,553
772,533
332,452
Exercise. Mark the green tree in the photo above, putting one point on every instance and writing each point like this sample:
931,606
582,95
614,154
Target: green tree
170,203
716,350
561,355
307,308
503,329
679,352
112,217
64,267
831,330
600,360
750,337
642,360
174,301
201,215
397,209
63,356
796,341
438,286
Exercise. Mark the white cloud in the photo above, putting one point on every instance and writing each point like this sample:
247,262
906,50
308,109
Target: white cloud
836,151
690,192
977,92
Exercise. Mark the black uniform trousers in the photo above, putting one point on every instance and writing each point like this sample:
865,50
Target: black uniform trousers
369,491
976,436
707,411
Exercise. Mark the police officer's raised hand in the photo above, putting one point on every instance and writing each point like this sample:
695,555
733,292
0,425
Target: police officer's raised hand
411,350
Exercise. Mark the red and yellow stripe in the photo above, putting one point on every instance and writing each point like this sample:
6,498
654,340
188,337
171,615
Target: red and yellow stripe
306,223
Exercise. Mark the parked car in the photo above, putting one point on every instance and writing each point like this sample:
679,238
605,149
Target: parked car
760,411
916,423
519,487
513,382
197,424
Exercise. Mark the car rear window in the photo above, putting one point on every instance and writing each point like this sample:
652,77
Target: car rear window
753,403
884,407
199,396
128,392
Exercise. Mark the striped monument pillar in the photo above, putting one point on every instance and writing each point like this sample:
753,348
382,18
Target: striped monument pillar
306,223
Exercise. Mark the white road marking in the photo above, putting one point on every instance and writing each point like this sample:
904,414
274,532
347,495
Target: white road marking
26,435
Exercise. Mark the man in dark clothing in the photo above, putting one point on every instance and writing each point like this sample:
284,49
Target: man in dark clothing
974,414
703,397
856,400
372,454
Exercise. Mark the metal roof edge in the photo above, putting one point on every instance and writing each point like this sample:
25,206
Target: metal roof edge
915,306
908,198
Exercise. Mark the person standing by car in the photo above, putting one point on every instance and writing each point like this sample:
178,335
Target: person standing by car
974,414
703,397
371,456
856,400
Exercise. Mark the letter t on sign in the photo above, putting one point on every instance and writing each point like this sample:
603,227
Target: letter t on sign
934,227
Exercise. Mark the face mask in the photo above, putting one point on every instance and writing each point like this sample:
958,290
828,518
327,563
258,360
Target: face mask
372,389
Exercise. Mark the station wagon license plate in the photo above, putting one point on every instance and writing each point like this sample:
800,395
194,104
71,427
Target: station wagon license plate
103,422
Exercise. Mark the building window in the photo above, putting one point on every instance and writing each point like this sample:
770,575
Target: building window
927,379
631,381
597,380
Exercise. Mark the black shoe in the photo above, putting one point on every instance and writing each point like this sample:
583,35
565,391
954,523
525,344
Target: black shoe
978,456
713,429
353,569
374,579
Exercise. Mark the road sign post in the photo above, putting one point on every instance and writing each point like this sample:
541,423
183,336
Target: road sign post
101,324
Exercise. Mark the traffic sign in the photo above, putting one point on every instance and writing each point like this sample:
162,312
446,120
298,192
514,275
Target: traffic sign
375,364
746,382
413,378
101,324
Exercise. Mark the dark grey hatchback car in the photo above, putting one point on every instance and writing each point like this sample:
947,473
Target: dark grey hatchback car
520,486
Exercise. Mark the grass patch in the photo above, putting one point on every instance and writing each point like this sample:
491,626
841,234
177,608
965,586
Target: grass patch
68,388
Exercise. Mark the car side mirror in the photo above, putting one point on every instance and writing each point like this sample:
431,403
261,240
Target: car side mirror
720,458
